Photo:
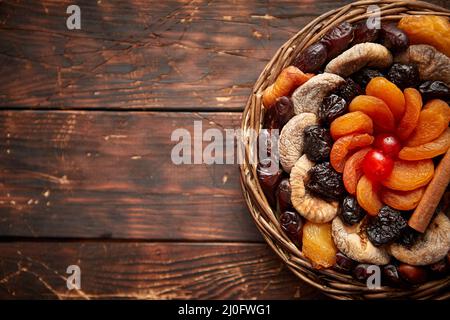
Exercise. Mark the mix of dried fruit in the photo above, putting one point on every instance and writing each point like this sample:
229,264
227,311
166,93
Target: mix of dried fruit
364,120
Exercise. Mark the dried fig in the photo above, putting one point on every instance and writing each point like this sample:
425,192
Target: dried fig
432,64
360,56
309,96
291,142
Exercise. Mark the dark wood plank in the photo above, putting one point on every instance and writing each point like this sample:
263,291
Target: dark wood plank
148,271
142,54
110,174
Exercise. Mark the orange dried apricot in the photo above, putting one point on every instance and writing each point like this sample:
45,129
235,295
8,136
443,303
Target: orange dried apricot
352,122
376,109
353,170
413,104
287,81
402,200
428,150
439,106
427,29
344,145
430,126
318,244
388,92
409,175
367,196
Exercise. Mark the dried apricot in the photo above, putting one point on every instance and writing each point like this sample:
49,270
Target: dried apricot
409,175
427,29
318,245
388,92
430,126
352,122
376,109
428,150
353,170
342,147
367,196
413,104
439,106
402,200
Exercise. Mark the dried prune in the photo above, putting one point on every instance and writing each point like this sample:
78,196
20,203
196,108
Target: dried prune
343,263
283,195
350,211
386,227
337,39
404,75
325,181
408,237
312,58
291,223
349,90
318,143
393,38
362,33
269,175
284,110
435,90
331,108
390,274
363,76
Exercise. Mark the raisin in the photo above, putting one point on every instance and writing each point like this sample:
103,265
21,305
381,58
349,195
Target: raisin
284,110
337,39
331,108
408,237
362,33
404,75
349,90
435,90
393,38
317,143
386,227
269,176
343,263
364,76
283,195
350,211
325,181
291,223
312,58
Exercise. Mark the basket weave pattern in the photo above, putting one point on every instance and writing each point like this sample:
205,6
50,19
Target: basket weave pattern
332,283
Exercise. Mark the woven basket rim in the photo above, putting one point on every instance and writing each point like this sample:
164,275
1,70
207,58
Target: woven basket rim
332,283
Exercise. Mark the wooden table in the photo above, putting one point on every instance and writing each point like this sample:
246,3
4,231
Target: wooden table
86,176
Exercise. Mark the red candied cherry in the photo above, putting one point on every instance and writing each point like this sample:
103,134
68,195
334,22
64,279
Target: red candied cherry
377,166
388,144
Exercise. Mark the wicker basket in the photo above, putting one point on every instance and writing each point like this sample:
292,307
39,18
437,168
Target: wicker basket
333,284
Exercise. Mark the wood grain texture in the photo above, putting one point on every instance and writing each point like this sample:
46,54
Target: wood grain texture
147,271
110,175
142,54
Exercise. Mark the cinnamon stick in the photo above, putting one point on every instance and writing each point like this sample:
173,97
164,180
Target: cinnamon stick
421,217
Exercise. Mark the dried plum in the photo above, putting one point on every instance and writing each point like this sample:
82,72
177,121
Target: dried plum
317,143
312,58
337,39
393,38
364,75
404,75
284,110
350,211
435,90
283,195
349,90
362,33
324,181
269,176
386,227
332,107
291,223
